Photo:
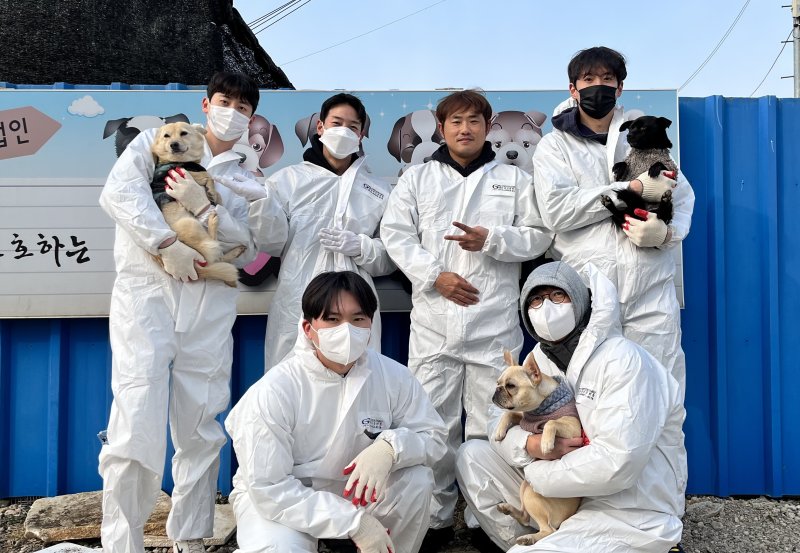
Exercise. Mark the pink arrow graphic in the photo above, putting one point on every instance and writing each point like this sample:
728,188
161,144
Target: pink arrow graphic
24,130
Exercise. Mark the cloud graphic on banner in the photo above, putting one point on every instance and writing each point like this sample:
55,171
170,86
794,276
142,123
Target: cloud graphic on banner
86,107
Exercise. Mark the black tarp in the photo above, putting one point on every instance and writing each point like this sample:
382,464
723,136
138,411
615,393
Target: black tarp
129,41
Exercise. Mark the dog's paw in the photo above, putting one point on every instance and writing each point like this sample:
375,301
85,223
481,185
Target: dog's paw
547,446
505,508
500,433
667,196
607,201
527,539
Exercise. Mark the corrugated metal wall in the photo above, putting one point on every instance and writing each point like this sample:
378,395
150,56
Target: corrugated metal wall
742,300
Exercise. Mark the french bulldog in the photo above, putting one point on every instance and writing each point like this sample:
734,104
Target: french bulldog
521,390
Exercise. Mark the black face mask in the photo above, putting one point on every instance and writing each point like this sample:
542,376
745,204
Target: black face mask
598,100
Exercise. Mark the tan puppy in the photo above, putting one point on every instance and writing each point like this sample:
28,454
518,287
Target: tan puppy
180,145
522,389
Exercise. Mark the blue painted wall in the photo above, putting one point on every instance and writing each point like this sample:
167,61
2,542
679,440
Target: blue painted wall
742,298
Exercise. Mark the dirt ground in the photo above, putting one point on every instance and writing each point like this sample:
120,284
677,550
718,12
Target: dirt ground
711,525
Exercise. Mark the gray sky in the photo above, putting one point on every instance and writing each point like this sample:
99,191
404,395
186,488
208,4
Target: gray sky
519,44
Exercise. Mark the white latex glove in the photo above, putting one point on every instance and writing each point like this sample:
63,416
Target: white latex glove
654,188
182,187
371,536
179,260
339,240
645,234
369,472
249,189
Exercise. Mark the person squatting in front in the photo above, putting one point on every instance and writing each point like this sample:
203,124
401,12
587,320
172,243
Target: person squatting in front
337,440
464,286
632,474
170,333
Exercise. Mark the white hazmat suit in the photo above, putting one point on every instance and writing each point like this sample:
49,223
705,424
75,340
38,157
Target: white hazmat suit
457,352
632,474
172,350
297,428
571,174
303,199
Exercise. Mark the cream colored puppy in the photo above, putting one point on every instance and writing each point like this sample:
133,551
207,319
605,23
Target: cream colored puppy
179,146
521,391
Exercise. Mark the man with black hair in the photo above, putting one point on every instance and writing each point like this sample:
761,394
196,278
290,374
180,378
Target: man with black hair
170,333
572,168
632,471
337,440
319,215
458,227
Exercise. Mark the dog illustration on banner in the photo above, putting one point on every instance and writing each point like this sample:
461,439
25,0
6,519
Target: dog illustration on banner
126,129
514,136
414,138
261,147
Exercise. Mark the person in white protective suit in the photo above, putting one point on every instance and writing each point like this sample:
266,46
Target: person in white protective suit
336,441
170,334
464,286
319,215
632,472
572,166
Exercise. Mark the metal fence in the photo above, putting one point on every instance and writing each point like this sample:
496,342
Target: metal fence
742,300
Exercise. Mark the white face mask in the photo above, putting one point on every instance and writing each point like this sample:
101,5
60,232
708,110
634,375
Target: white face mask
552,321
344,343
340,141
227,124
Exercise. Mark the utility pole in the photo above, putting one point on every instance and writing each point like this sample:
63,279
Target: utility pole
796,40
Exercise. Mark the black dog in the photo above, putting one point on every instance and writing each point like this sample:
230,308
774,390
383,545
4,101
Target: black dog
647,136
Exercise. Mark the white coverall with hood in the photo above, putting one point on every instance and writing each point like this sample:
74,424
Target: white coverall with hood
297,428
303,199
457,352
571,174
632,475
162,329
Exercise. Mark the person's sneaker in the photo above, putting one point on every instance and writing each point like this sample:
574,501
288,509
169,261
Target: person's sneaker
436,539
676,549
189,546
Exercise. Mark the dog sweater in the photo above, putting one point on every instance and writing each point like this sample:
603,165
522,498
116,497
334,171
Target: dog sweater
561,403
158,184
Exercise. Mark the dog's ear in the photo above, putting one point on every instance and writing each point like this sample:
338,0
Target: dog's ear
113,125
394,139
664,122
625,125
274,150
177,118
509,358
200,128
537,117
303,129
532,369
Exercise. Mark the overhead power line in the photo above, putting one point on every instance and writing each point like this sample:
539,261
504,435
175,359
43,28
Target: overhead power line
714,51
272,17
362,34
785,42
291,12
268,15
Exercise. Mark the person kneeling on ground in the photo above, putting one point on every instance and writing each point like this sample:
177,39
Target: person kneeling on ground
631,474
337,440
